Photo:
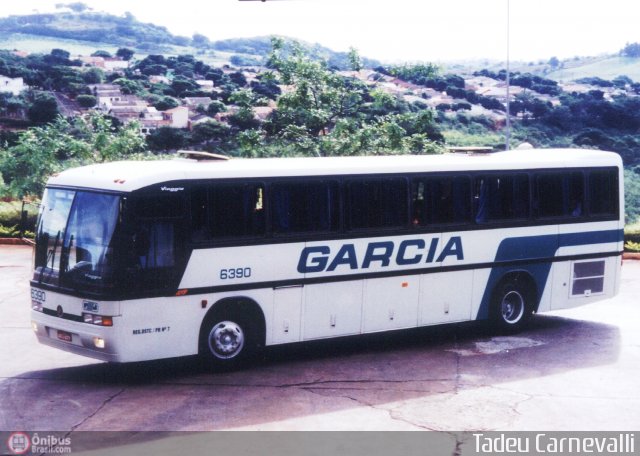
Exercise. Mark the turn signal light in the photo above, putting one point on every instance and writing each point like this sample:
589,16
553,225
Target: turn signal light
100,320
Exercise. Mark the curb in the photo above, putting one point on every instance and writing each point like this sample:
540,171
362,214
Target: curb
16,241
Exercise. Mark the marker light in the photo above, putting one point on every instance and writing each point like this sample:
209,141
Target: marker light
36,305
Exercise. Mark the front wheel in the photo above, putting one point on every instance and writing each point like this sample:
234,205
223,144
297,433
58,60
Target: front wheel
512,306
226,342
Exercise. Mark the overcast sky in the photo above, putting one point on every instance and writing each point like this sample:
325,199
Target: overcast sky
397,30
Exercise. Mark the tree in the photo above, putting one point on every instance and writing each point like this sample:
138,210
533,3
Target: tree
631,50
319,96
210,131
42,151
125,53
60,54
167,138
215,107
93,76
76,7
354,59
101,53
43,109
165,103
200,41
87,101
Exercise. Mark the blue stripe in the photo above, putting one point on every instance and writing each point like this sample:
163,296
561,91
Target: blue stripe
538,248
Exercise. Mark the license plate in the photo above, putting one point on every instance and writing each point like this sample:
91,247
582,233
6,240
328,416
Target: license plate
63,335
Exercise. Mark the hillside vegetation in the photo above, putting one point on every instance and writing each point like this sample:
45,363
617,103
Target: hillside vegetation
293,101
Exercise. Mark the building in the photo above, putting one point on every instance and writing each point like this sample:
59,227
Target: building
177,117
12,85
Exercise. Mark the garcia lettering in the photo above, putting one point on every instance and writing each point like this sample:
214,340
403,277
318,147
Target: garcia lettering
381,254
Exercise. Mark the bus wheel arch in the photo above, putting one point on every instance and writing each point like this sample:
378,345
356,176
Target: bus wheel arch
513,300
232,331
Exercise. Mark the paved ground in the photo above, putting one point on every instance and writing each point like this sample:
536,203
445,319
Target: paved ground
573,370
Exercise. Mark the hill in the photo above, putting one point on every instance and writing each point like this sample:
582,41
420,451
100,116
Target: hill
84,32
606,67
93,27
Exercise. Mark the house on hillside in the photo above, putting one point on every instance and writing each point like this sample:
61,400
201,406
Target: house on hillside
205,85
194,102
108,64
177,117
12,85
153,119
114,64
199,119
159,79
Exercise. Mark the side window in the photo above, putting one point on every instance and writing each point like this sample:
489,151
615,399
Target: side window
440,200
377,203
501,197
559,195
226,211
603,192
304,207
156,240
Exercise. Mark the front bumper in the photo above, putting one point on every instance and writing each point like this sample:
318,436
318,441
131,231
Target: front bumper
75,337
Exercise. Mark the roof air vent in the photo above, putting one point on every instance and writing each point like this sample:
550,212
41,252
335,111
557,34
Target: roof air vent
201,156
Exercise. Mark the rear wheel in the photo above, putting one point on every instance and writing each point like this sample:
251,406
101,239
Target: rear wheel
512,306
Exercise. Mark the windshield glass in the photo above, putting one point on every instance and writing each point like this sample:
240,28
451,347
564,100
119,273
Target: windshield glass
74,237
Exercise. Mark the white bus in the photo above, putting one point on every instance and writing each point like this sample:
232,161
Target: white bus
145,260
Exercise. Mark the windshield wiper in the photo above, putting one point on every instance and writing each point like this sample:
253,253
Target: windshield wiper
51,255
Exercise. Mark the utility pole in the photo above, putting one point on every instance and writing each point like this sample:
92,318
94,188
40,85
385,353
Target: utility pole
508,124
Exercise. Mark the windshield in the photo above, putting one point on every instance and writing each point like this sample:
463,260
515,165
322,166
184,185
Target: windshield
74,237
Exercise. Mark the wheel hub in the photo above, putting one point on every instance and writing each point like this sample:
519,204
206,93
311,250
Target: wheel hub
512,307
226,340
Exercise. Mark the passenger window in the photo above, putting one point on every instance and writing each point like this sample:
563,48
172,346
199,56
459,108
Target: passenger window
304,207
501,197
440,200
377,203
603,192
559,195
226,211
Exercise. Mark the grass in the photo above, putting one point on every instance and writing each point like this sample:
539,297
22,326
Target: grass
607,69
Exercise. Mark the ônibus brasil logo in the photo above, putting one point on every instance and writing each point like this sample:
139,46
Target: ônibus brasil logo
19,443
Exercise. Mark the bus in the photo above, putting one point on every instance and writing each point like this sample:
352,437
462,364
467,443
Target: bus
199,255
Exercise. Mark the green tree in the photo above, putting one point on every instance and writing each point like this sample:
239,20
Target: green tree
87,101
319,96
44,108
93,76
101,53
125,53
354,60
216,107
166,103
42,151
167,138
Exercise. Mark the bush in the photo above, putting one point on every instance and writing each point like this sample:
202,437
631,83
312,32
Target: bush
10,217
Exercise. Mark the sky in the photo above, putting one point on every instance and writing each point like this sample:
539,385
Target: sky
397,30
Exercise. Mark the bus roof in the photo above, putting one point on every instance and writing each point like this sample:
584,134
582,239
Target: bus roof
126,176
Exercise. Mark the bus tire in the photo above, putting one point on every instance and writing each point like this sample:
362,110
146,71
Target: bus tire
512,304
227,340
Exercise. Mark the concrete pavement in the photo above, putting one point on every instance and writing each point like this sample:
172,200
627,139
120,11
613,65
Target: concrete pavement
571,370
